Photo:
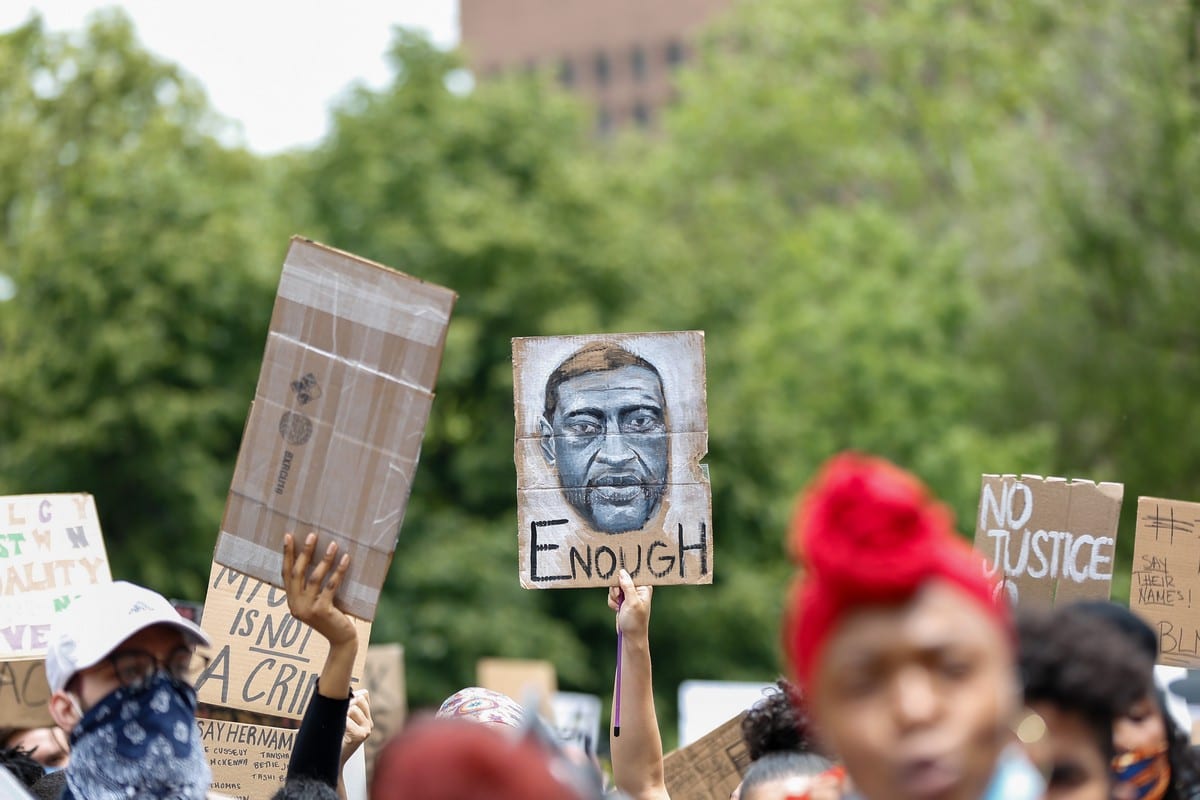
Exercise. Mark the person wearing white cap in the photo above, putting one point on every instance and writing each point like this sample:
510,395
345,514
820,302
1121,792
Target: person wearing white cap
120,664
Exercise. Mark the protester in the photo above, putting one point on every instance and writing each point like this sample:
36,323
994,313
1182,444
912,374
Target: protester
1079,676
303,787
784,775
453,759
319,751
779,723
637,756
572,765
896,640
359,726
784,754
22,765
120,662
48,746
1153,753
476,704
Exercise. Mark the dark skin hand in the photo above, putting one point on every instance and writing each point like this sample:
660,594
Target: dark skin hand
310,594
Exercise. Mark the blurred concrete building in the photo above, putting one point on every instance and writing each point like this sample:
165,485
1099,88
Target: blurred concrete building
618,54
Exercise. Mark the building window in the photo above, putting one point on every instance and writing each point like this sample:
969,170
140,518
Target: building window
675,53
641,115
604,121
637,63
601,68
566,72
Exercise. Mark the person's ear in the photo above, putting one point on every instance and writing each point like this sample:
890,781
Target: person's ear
548,441
65,710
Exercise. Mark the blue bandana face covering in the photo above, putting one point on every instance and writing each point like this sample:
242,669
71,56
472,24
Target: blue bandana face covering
139,742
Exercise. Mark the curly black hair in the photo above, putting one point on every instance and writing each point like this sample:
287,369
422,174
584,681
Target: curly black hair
779,724
1082,665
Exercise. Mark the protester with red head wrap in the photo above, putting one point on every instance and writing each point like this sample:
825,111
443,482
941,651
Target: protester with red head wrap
894,635
870,533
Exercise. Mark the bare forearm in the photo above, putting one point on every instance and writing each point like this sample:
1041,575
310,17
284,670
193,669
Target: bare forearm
637,756
339,664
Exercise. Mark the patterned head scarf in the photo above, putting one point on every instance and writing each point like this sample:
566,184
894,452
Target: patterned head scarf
477,704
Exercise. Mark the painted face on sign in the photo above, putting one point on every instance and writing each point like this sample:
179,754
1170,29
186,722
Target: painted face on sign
916,697
607,438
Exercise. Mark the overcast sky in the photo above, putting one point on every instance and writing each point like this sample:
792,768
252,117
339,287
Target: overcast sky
273,67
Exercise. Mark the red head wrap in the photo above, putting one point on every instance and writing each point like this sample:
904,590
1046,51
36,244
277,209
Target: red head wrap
870,533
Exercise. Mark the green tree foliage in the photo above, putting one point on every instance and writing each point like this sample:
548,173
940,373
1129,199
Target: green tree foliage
137,245
1090,263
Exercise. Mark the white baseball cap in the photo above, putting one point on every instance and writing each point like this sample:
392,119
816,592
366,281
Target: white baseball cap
103,616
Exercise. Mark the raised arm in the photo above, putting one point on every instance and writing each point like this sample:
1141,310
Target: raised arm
318,744
637,757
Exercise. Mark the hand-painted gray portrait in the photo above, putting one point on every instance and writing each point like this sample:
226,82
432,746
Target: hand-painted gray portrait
610,433
604,428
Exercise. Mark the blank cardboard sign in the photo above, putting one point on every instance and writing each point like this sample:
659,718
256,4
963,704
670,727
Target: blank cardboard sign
1165,590
334,433
263,659
710,767
50,548
520,679
383,677
610,431
1048,540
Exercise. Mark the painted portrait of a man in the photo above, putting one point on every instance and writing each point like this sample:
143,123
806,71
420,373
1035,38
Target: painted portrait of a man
611,431
604,429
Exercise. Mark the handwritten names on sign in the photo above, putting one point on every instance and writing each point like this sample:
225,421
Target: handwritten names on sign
1048,540
248,762
1165,590
50,548
263,658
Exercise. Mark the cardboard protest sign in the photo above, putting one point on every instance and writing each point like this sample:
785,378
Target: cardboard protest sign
577,719
50,548
1165,590
263,659
520,679
610,430
248,762
383,677
335,429
709,768
1048,540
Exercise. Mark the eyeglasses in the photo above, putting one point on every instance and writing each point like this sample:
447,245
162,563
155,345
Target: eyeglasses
135,668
